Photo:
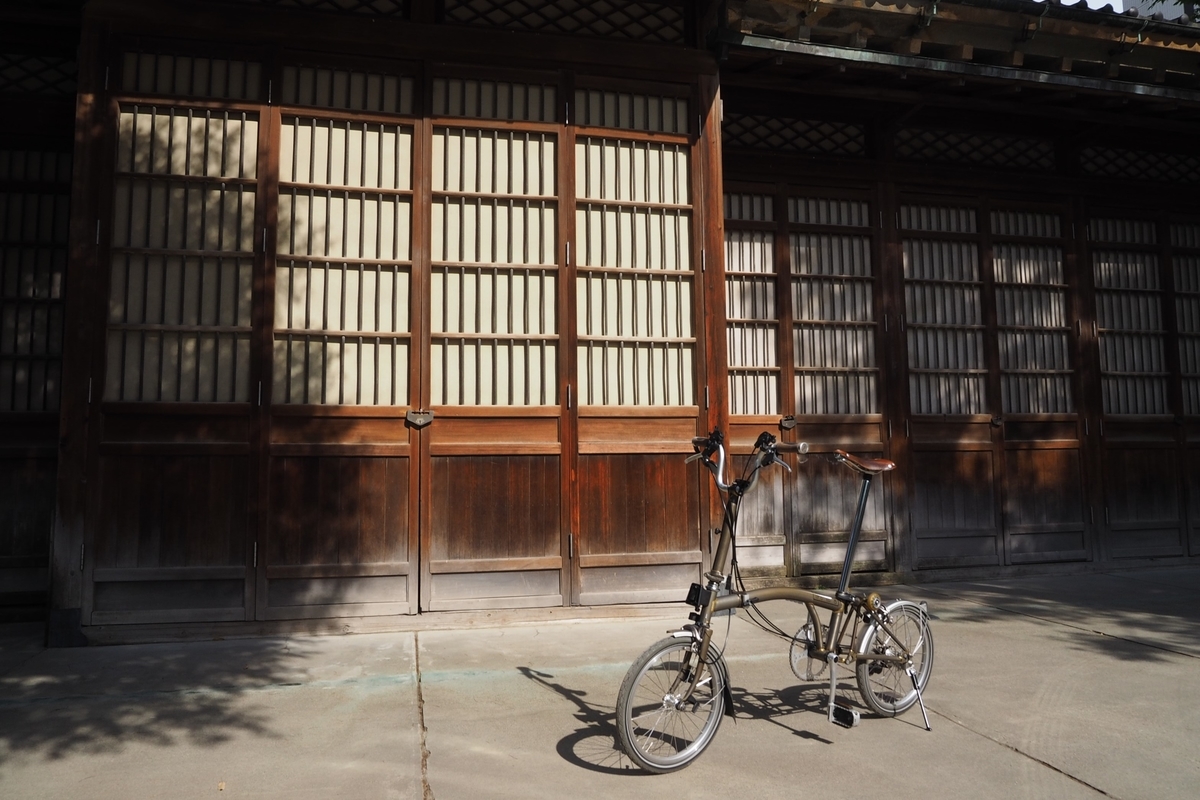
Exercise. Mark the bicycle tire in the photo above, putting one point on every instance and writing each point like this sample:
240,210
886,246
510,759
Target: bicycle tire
657,731
887,689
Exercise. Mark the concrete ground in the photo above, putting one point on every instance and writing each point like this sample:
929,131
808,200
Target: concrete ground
1057,687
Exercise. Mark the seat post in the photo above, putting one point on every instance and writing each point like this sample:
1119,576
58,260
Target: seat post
859,514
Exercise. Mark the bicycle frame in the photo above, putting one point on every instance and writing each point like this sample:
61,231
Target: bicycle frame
843,606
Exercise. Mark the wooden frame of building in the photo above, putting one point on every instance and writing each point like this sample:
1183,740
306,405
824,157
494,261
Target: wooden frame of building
375,307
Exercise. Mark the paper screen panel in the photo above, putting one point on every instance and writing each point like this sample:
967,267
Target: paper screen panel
494,280
833,338
191,76
942,298
1031,315
1187,312
479,99
752,317
353,90
636,112
34,223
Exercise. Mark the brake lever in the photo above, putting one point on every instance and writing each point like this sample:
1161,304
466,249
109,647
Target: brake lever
693,457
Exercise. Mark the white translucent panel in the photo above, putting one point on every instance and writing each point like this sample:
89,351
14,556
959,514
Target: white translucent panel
34,166
316,369
750,251
946,393
821,211
1030,264
493,371
494,301
363,155
187,141
179,366
180,291
520,163
824,254
1021,307
34,218
837,392
346,89
344,224
324,296
1125,270
832,299
1034,350
1026,223
749,298
752,207
751,345
834,346
30,384
494,231
941,261
1122,231
166,215
477,99
637,238
188,76
638,112
31,329
937,219
932,348
1187,274
636,305
1134,394
633,373
1037,393
639,172
943,304
753,392
1187,235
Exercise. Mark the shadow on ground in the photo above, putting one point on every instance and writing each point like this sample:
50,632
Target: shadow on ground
59,703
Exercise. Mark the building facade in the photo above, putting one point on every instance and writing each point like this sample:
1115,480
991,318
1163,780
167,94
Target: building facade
332,309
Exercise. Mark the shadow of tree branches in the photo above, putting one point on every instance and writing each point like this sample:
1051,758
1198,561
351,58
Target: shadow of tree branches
64,702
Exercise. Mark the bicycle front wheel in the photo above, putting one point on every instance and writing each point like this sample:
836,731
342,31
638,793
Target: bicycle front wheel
887,687
662,728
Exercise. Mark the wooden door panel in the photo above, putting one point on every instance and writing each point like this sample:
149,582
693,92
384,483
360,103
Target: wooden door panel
954,508
639,537
1142,494
27,493
339,541
825,498
171,537
495,533
1044,505
1192,474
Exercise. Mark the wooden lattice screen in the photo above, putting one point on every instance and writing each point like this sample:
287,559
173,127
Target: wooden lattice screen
942,300
1185,239
751,311
494,324
1031,313
182,255
342,332
1125,268
834,327
636,289
34,215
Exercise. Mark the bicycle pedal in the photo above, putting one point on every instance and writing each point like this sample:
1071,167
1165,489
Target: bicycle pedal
845,716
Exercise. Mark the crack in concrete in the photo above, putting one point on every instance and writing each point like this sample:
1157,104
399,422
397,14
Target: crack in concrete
1021,752
426,789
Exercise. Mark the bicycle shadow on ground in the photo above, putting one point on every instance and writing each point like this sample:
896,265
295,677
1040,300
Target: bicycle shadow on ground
593,746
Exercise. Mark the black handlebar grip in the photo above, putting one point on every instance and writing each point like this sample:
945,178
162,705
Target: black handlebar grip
792,447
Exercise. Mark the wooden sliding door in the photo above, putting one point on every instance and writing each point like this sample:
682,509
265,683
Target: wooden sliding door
341,472
493,520
637,317
171,501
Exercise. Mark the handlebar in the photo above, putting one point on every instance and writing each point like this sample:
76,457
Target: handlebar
767,448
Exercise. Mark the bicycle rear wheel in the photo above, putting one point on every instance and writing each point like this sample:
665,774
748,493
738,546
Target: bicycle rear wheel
887,688
659,728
